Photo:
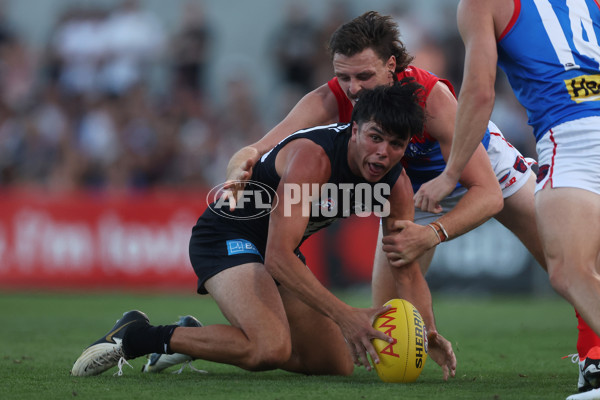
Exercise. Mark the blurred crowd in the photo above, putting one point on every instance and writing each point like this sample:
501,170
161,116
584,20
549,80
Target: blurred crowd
83,113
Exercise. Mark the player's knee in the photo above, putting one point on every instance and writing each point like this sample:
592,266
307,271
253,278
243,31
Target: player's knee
566,276
267,356
559,279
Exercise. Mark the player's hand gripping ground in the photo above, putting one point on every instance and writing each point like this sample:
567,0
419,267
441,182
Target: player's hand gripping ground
440,351
357,328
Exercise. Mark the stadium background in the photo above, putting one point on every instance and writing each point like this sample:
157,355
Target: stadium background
116,118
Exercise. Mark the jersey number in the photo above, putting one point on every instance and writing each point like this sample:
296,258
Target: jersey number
579,17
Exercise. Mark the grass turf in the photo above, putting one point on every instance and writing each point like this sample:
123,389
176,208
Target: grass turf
507,348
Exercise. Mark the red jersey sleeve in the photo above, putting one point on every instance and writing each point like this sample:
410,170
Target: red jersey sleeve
344,104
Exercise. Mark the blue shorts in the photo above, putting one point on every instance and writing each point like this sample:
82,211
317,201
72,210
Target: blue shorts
218,243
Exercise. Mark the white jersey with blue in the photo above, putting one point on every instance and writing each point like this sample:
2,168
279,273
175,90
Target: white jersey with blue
550,52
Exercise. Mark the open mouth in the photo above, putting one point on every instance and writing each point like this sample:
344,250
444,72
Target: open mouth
376,168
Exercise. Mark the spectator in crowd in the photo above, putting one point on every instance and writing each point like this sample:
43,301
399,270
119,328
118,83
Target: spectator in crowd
294,47
191,49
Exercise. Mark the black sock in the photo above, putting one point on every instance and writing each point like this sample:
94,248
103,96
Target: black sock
141,339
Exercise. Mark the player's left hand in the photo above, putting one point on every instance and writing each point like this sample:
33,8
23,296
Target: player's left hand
407,241
430,193
440,351
236,181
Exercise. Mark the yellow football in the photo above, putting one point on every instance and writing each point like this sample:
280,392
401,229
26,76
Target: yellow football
402,360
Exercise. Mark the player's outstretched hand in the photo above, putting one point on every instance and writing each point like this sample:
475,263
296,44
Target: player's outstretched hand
407,241
440,351
237,176
357,328
430,193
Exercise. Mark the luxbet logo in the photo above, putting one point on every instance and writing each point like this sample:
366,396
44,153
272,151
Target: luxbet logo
254,201
337,200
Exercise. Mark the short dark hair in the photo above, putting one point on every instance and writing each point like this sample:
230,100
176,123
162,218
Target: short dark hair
371,30
397,109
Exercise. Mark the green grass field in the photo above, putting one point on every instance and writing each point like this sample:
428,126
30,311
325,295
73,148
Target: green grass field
507,348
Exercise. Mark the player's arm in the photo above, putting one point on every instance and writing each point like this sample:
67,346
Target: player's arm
410,282
315,108
482,200
303,162
476,99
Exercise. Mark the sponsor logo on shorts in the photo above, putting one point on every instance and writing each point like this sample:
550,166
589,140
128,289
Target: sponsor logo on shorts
542,172
584,88
241,246
520,164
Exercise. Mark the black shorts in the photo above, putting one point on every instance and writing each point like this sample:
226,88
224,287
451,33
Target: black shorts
218,244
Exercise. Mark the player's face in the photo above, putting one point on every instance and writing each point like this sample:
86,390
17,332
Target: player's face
373,152
364,70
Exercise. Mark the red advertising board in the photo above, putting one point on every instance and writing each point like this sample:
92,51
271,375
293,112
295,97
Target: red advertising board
89,240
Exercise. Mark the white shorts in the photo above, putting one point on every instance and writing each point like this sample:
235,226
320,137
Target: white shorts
569,156
511,168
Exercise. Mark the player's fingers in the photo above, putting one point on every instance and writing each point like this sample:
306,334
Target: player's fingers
391,255
377,311
445,371
427,205
358,355
400,262
452,362
399,224
372,353
232,203
418,199
354,355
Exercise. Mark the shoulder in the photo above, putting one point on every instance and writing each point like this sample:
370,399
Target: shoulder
303,160
485,12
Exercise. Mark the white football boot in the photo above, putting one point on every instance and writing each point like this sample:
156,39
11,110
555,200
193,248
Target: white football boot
107,351
589,376
159,362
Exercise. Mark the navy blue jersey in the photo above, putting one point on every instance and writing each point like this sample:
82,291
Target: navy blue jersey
344,194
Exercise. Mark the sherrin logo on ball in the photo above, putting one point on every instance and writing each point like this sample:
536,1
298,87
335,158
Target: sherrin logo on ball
401,361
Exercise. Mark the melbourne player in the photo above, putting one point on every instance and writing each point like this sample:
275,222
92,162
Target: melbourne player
550,51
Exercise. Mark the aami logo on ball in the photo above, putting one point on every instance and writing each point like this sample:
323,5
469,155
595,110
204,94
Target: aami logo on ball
420,338
389,328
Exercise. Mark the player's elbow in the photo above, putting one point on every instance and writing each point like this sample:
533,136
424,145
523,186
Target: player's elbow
489,196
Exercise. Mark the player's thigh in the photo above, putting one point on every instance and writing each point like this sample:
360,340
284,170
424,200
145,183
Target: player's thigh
318,346
567,222
518,216
248,297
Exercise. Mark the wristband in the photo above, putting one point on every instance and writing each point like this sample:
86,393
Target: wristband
440,230
436,233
